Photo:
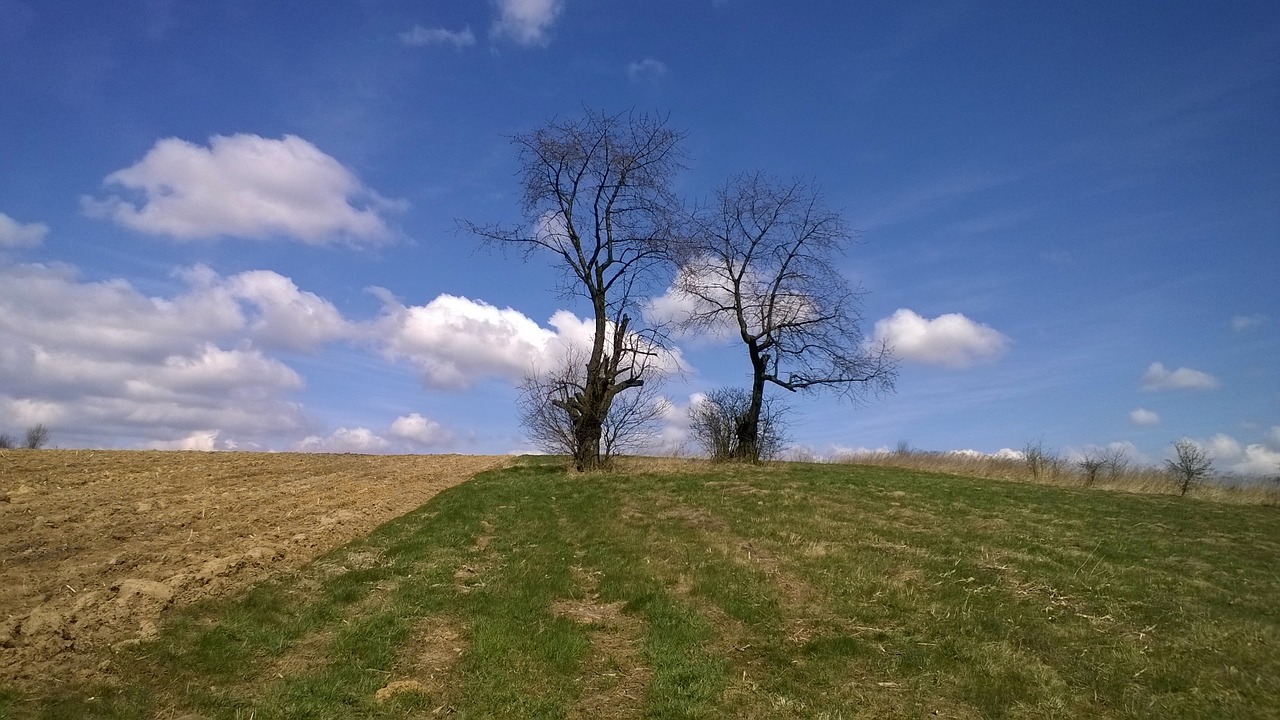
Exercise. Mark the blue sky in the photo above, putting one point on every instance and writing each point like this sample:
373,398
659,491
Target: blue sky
232,224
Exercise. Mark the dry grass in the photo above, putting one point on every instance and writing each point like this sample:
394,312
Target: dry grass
1060,472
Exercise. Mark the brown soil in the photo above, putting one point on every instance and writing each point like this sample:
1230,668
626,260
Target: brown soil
97,546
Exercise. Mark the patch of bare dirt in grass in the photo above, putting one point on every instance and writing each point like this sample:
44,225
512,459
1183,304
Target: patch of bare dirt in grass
426,664
615,677
96,547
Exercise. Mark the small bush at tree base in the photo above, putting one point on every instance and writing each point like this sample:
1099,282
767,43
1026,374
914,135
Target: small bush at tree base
715,421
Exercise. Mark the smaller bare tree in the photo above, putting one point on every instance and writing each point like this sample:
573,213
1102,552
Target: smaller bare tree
715,420
37,436
1039,460
1191,465
6,441
1115,460
1090,463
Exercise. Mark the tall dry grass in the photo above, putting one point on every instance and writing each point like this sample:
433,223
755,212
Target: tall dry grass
1055,470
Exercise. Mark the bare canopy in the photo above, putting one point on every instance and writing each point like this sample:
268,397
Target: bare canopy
597,198
760,265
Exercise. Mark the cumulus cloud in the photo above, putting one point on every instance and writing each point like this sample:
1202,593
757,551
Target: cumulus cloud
646,71
675,305
420,431
702,289
1256,459
103,362
457,342
1143,417
284,315
526,22
419,35
1158,377
244,186
14,234
345,440
1240,323
204,440
952,340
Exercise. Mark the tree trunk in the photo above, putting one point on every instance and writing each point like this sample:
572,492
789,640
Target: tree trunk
748,428
586,435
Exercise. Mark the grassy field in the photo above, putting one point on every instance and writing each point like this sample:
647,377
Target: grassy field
808,591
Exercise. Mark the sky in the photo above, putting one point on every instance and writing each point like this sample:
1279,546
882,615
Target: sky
233,225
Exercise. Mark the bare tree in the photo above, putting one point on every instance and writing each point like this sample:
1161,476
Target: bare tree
597,197
6,441
761,263
1090,463
631,425
1191,465
37,436
714,423
1115,460
1040,460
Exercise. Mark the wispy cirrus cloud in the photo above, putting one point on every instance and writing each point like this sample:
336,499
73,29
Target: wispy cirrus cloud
1240,323
647,71
419,36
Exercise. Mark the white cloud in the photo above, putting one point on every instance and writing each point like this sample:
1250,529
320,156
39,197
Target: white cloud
419,35
952,340
244,186
345,440
676,306
1273,438
526,21
205,440
419,430
457,342
104,364
286,316
1144,417
701,288
1240,323
16,235
1158,377
648,70
1253,459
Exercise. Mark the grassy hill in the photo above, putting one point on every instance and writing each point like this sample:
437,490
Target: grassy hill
809,591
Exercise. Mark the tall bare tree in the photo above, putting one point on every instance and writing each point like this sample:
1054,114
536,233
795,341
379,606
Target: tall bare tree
597,197
761,264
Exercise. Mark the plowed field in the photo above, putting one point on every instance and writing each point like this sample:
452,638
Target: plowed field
96,546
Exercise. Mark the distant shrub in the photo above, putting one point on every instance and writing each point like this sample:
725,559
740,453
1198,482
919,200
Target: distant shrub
1090,464
6,441
1191,465
37,436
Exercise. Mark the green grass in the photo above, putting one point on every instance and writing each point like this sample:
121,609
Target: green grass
814,591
